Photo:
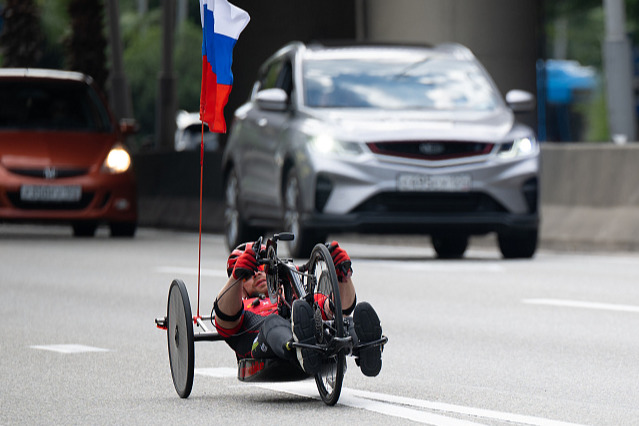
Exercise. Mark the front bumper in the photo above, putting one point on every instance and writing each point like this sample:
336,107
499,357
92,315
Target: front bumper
413,223
107,199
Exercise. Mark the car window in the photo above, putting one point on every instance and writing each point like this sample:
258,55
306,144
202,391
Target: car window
426,83
285,79
278,75
51,105
269,79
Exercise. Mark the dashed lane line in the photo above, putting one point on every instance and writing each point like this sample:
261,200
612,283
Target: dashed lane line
582,305
69,349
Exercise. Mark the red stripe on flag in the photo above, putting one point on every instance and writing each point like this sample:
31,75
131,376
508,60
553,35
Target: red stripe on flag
208,94
222,96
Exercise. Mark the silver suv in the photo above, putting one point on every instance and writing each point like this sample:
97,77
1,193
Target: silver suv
382,139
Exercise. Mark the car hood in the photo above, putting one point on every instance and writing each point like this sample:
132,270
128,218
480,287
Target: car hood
59,149
366,126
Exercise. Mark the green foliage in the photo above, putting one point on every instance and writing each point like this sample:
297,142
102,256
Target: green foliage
597,119
188,65
55,27
142,59
21,39
586,29
142,38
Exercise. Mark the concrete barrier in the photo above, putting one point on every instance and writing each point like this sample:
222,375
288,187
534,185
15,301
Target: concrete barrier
589,194
169,188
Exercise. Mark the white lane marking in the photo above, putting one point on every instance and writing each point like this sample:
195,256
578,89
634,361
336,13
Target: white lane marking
219,373
458,409
69,349
308,390
583,305
177,270
435,266
391,405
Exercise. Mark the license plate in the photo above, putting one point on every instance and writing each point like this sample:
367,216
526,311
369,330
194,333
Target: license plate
431,183
68,193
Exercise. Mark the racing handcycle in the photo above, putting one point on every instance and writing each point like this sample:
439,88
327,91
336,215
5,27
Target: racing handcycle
286,282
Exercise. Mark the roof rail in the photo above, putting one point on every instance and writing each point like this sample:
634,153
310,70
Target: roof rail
458,50
356,43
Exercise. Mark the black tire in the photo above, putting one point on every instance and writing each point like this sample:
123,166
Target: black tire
324,281
236,230
519,245
84,229
123,229
305,239
450,246
180,338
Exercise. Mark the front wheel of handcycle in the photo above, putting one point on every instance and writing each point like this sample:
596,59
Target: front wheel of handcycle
324,287
180,338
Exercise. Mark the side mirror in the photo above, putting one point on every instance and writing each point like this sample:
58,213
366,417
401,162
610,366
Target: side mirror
272,99
520,101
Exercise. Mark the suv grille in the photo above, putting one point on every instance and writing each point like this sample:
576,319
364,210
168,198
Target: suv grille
435,202
431,150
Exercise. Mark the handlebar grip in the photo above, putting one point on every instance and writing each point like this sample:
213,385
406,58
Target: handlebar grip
257,245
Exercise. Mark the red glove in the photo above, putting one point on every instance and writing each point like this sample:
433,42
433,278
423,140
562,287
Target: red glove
245,265
341,261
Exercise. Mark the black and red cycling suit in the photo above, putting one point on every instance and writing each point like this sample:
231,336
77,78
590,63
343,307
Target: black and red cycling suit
255,312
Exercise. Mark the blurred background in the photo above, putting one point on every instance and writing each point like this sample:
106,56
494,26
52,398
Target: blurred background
580,58
146,56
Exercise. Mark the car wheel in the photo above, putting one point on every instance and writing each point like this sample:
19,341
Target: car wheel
123,229
305,239
518,245
450,246
84,229
236,230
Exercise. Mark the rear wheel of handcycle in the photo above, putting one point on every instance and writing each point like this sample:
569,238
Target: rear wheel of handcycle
180,338
323,281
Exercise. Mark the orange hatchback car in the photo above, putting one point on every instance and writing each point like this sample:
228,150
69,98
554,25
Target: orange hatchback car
62,157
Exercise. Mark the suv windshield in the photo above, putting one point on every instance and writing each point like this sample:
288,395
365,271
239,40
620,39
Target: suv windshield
51,105
393,83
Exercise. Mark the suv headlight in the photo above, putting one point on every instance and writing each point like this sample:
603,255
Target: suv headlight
117,161
520,147
328,145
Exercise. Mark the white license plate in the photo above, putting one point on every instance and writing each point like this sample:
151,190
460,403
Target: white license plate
431,183
66,193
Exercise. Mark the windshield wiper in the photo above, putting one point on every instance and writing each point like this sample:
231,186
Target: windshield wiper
410,67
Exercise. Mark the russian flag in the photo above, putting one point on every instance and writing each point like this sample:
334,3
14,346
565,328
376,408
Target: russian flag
222,24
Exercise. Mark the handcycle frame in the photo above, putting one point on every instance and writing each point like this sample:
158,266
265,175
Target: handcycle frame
286,283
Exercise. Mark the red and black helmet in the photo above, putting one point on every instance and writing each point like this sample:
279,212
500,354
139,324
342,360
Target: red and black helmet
237,252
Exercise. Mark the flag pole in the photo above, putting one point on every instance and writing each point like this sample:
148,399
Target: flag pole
199,250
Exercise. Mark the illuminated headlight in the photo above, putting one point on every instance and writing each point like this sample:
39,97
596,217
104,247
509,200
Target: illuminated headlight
519,148
325,144
118,160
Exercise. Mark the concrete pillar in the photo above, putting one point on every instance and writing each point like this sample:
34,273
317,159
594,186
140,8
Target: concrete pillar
619,75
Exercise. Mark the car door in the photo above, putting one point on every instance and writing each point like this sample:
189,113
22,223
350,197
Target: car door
260,161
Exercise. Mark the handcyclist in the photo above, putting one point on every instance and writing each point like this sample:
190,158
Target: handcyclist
250,325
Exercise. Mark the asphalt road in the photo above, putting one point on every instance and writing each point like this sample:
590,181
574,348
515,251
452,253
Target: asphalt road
475,341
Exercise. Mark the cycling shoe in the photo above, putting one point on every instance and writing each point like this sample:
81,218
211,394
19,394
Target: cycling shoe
368,329
303,326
